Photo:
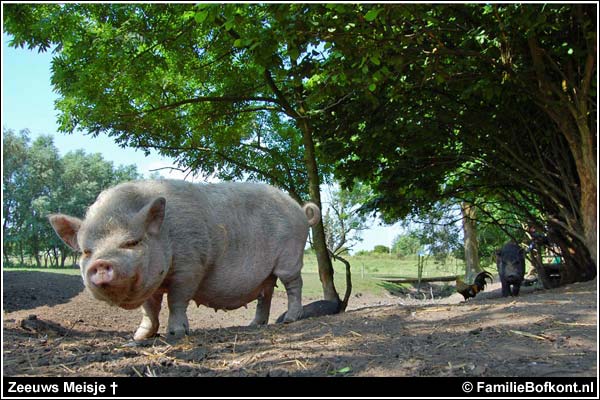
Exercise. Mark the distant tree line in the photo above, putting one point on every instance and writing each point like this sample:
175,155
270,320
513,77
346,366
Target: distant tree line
37,181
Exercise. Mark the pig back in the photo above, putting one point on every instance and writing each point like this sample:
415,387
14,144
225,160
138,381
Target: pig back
227,238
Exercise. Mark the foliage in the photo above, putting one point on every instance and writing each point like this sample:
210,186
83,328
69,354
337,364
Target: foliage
438,231
207,85
467,103
343,220
406,244
381,249
37,182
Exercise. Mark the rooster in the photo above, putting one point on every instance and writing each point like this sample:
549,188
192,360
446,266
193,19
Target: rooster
477,286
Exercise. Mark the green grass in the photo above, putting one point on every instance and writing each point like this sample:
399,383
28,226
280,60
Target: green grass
364,269
384,264
66,271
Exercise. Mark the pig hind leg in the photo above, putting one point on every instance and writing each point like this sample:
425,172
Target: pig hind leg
289,274
263,307
149,325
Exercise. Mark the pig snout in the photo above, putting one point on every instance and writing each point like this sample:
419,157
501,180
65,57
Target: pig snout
513,278
101,273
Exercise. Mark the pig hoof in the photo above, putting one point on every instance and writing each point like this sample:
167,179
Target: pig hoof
258,323
176,334
138,343
144,333
289,317
173,338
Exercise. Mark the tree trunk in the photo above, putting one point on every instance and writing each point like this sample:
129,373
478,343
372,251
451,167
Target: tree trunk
318,232
589,213
470,242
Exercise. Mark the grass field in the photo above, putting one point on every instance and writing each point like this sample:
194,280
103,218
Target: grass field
364,269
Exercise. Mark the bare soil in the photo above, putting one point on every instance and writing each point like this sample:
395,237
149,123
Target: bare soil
52,327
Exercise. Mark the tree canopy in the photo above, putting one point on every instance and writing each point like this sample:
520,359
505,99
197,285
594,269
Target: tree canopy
490,104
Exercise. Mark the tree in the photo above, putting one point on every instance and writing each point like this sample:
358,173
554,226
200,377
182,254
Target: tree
14,159
381,249
218,87
41,178
406,244
463,102
470,241
343,223
437,230
343,220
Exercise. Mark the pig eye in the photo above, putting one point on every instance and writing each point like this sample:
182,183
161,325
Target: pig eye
87,252
131,243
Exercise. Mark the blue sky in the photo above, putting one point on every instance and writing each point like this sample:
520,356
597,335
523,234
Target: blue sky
28,103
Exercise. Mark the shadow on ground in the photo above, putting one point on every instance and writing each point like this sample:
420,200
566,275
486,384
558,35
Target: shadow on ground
25,290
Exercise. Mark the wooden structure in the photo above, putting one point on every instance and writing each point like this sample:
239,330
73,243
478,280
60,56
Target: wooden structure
399,279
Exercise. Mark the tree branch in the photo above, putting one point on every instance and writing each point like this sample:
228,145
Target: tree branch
206,99
281,99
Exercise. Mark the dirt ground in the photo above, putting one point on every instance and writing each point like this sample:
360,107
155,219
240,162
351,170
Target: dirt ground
540,333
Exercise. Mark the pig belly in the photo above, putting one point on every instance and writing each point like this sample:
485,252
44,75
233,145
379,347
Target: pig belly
222,296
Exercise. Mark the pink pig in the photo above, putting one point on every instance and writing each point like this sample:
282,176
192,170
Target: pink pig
221,245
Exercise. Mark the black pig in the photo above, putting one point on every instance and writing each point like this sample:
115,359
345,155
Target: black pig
317,309
511,268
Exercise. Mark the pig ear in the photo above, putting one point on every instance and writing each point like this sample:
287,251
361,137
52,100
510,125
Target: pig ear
66,228
155,214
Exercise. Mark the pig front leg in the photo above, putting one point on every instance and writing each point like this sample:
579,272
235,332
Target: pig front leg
178,325
514,290
149,325
505,288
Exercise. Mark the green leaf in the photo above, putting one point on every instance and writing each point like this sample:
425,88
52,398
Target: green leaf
372,87
189,15
242,43
372,14
200,16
